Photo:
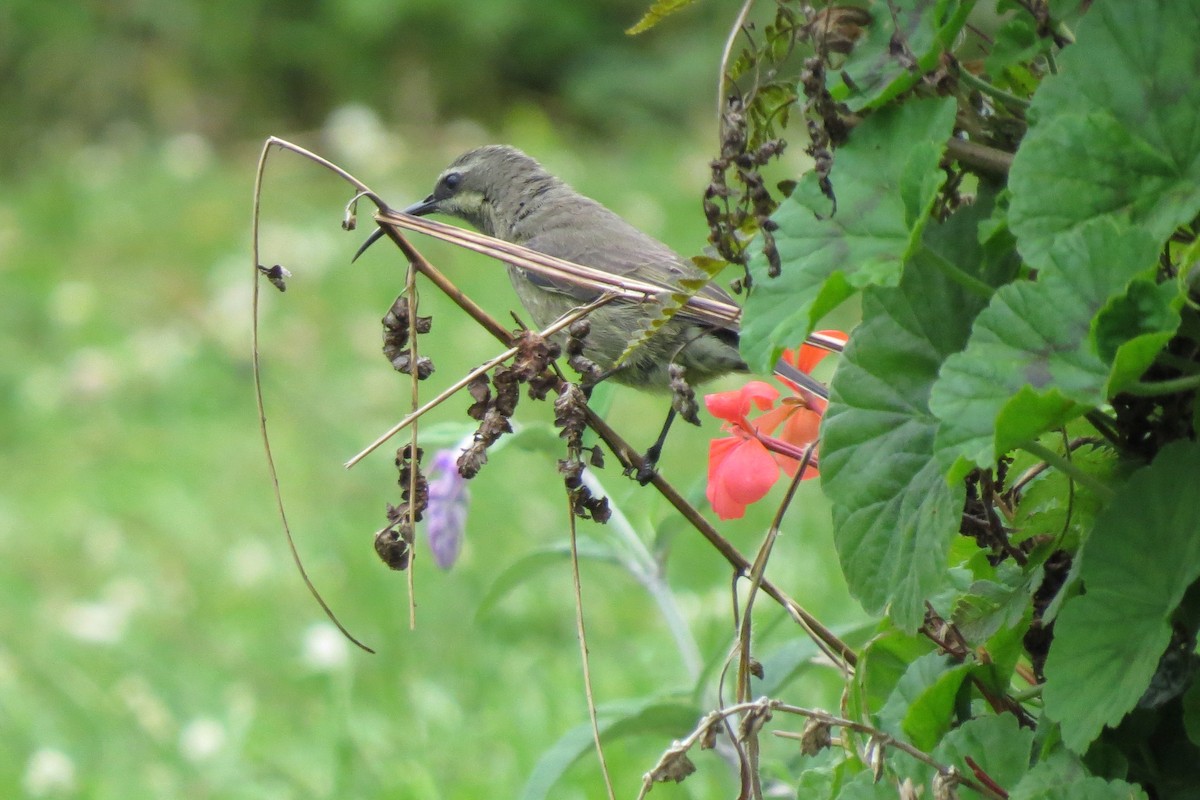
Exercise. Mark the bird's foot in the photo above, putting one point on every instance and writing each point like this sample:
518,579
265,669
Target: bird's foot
649,466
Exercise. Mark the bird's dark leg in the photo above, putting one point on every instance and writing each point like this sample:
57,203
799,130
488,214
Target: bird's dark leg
645,472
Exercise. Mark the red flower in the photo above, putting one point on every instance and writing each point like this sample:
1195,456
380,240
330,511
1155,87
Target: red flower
744,466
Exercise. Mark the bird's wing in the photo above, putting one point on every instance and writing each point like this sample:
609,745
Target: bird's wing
625,253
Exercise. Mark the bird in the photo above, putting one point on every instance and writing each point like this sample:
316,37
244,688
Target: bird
506,194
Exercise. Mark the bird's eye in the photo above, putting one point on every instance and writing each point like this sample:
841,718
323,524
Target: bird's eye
452,181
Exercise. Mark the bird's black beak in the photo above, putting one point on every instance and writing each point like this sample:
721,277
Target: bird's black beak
426,206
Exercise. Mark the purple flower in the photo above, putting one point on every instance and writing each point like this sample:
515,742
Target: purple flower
447,509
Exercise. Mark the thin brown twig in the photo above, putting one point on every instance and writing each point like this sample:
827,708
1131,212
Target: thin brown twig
885,739
757,570
581,632
723,73
766,704
258,392
414,361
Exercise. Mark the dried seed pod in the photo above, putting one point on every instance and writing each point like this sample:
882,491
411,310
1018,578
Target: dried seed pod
815,737
945,785
395,339
277,275
683,396
588,370
570,414
493,413
393,544
673,766
534,354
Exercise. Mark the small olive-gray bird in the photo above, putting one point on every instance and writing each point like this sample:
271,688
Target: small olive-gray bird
506,194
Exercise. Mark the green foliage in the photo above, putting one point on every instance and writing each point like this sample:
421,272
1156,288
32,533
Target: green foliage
860,239
1141,557
1062,779
1008,446
1136,155
894,512
922,30
1024,371
920,708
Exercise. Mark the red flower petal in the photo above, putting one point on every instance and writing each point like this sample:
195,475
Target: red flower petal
809,356
801,427
740,472
733,406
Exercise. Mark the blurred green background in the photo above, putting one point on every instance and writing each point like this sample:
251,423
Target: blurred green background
155,639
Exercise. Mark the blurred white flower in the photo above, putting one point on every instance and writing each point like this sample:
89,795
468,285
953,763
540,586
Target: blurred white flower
250,562
355,132
47,772
201,739
325,648
160,353
93,372
96,622
104,621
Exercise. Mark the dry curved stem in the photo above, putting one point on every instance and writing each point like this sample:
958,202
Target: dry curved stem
580,631
258,393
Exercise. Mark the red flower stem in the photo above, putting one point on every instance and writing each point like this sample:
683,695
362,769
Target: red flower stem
787,448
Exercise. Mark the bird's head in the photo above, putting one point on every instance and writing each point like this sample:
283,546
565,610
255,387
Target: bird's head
487,187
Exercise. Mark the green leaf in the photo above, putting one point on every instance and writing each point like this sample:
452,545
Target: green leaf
1136,566
1015,43
922,705
881,666
885,179
874,72
656,13
1032,362
1052,504
1191,713
651,716
989,606
1062,778
1134,328
1125,106
998,744
894,514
